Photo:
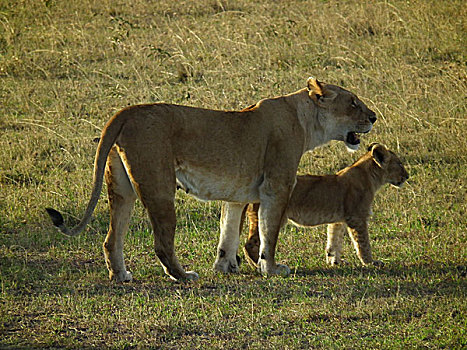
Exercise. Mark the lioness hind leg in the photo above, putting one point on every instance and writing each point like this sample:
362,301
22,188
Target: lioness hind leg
121,202
155,186
231,222
161,213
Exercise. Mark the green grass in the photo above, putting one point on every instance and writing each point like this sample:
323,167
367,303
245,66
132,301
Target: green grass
66,67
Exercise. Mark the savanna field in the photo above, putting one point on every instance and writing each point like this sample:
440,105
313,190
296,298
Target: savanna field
66,67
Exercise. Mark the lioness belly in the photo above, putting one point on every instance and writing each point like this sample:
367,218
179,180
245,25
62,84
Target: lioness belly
206,185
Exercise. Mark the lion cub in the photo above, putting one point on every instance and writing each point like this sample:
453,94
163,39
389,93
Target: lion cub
342,200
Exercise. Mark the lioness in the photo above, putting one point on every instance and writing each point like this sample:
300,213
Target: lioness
343,201
249,156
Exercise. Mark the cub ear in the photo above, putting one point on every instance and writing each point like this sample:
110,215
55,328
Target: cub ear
318,91
373,144
379,153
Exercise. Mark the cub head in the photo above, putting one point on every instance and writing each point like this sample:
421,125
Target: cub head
394,171
342,113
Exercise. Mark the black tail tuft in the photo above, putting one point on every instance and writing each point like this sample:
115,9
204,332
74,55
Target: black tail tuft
56,217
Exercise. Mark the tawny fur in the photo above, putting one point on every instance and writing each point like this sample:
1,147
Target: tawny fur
342,200
249,156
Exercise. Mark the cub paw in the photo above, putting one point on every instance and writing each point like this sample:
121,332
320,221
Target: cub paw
333,255
333,260
251,250
374,263
250,258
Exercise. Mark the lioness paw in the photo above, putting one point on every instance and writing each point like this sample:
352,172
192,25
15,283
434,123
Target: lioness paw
279,269
225,265
192,276
189,276
283,270
377,263
121,277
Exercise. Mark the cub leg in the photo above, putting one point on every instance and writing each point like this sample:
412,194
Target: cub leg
121,202
251,247
231,224
335,233
358,232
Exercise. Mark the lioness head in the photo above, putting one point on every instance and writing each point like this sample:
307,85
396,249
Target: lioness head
344,115
394,171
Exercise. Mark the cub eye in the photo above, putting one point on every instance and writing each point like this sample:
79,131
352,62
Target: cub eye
354,104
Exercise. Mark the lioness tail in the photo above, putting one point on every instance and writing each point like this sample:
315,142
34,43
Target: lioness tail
109,136
57,220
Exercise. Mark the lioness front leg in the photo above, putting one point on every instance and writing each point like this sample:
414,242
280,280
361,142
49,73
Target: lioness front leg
335,237
121,202
271,214
231,222
358,232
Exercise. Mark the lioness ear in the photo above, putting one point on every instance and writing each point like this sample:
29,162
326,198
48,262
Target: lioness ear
379,153
319,92
315,88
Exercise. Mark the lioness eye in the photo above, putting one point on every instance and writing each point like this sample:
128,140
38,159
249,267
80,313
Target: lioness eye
354,104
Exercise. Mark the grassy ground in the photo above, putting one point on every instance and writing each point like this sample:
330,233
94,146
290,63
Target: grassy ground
66,67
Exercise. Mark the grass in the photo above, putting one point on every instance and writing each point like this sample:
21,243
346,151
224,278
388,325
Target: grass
65,68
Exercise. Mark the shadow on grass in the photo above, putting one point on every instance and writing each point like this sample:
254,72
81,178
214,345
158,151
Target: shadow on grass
390,270
411,280
24,273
